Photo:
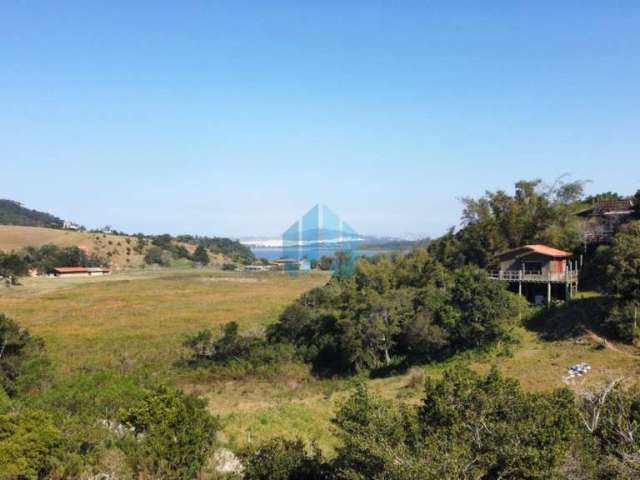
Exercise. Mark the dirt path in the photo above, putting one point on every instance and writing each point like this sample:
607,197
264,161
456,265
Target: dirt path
610,345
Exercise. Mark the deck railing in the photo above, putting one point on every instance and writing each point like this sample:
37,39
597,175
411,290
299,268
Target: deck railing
533,276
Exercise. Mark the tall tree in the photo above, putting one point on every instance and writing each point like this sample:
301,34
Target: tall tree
201,256
12,267
624,276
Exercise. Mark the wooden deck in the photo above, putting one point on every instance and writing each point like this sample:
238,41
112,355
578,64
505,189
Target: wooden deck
569,277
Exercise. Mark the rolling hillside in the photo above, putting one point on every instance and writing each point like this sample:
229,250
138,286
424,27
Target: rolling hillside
118,247
14,213
14,237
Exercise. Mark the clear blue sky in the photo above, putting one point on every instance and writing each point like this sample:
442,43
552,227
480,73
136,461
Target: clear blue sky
233,118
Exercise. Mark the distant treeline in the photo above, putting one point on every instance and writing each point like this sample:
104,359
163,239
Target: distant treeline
44,259
14,213
220,245
165,248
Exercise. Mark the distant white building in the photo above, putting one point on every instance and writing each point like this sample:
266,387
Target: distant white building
257,268
292,264
67,225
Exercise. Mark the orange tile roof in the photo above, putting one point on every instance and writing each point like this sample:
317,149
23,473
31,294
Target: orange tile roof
70,269
539,248
81,269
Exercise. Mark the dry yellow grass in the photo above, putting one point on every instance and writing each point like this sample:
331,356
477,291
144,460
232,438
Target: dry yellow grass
15,238
118,249
141,318
138,320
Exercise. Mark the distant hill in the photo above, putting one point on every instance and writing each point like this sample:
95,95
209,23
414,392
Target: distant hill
21,227
14,213
121,250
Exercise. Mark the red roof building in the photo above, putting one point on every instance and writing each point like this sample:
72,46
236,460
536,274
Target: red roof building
80,271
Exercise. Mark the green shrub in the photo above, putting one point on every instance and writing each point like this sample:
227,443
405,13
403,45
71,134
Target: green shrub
30,446
157,256
235,355
281,459
23,364
407,308
172,434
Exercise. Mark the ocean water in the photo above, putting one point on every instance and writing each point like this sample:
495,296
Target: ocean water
311,253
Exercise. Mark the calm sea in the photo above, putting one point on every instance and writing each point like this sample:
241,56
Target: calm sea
274,253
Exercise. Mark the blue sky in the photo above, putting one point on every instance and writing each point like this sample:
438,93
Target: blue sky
233,118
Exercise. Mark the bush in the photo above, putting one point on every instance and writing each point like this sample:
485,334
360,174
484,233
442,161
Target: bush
201,256
12,266
610,446
86,408
23,364
281,459
157,256
407,308
467,426
623,321
48,257
237,355
30,446
173,434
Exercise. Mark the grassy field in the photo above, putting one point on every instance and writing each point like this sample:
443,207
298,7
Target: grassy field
137,320
141,317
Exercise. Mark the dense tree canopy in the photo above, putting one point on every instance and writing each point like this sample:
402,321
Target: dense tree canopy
497,221
31,446
44,259
620,265
406,307
624,263
233,249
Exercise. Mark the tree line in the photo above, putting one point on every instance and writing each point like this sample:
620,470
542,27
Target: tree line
166,248
44,259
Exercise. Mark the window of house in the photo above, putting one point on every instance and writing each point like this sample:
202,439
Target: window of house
532,267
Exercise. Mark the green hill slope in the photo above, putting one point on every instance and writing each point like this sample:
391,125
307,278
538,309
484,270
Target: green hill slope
14,213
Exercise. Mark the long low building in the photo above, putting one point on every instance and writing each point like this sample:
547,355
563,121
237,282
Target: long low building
81,271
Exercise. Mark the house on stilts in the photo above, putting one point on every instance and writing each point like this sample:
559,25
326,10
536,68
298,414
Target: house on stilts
539,272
